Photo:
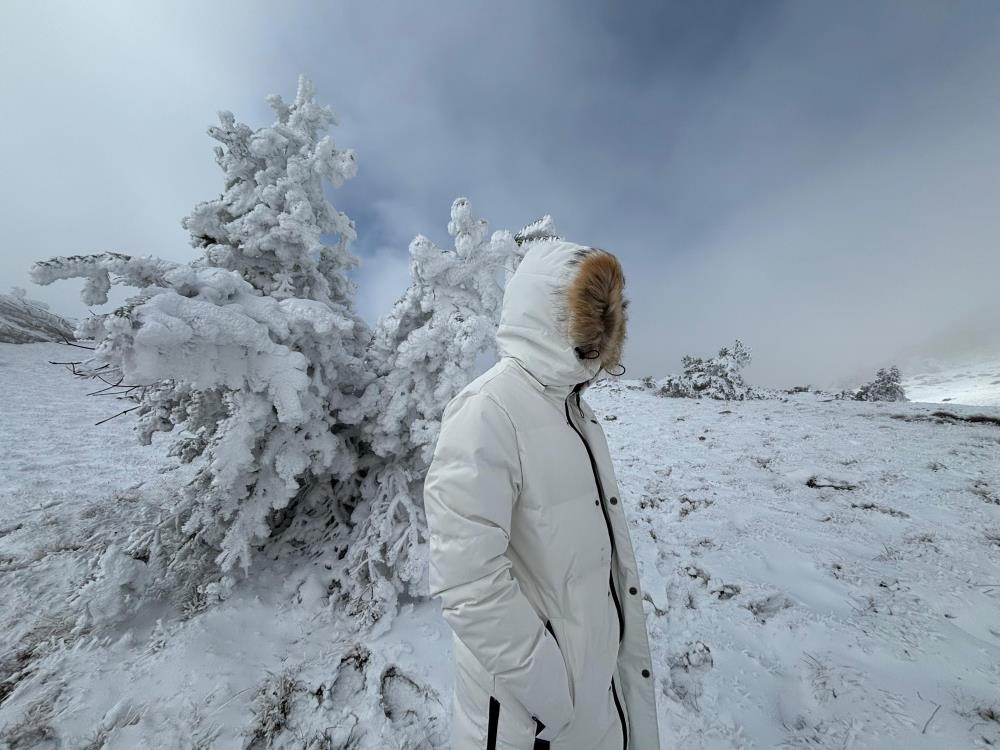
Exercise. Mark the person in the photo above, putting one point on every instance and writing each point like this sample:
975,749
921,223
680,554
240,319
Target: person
529,545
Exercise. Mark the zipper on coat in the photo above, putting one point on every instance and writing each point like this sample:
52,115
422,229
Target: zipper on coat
491,731
604,510
621,715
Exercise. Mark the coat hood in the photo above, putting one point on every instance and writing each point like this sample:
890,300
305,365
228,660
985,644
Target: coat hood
564,300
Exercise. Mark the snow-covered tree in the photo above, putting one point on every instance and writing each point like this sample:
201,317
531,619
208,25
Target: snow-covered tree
423,352
718,377
306,429
886,386
254,348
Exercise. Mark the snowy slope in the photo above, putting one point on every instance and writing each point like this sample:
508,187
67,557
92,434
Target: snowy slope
824,573
25,321
138,674
974,381
819,574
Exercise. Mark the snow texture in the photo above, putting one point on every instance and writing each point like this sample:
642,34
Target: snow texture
975,381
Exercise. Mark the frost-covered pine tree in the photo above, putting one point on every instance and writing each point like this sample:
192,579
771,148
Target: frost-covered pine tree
423,352
251,351
303,425
718,377
886,386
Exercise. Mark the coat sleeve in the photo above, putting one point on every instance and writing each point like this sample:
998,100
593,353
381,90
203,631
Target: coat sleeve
469,494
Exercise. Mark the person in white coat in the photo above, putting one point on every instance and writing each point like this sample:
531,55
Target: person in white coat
529,544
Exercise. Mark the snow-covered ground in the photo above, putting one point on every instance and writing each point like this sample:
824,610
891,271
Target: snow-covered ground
975,382
819,574
24,320
132,675
822,574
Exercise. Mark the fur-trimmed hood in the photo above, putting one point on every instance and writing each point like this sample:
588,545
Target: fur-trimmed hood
564,313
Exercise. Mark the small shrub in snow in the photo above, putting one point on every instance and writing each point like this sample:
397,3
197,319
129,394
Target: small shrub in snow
885,387
33,729
271,707
718,377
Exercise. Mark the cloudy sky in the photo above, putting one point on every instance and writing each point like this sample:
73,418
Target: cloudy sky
820,180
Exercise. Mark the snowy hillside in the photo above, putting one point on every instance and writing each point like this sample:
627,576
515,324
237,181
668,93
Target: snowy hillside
24,320
820,574
973,381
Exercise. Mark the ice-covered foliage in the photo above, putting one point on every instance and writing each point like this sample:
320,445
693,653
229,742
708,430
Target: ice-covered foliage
254,348
886,386
268,223
305,428
718,377
423,352
539,229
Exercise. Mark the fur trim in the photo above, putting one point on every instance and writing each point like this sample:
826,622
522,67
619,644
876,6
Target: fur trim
597,307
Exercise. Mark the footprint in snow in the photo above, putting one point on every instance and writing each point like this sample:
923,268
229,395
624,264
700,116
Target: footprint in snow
725,591
687,673
414,709
766,608
350,680
689,505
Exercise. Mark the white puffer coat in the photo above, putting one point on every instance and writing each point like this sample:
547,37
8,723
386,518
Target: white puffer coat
529,543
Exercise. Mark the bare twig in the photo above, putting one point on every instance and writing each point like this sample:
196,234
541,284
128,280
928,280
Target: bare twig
114,416
78,346
928,722
108,387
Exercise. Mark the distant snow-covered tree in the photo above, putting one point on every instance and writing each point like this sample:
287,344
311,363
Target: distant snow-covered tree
423,352
886,386
718,377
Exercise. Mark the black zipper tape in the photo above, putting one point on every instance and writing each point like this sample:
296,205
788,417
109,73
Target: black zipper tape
491,732
621,715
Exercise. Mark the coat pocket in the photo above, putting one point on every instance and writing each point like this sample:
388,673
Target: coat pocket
569,672
508,725
539,726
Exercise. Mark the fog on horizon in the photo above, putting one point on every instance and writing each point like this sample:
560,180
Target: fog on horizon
820,181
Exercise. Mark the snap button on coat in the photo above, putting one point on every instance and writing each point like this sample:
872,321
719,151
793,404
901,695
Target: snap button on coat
547,652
